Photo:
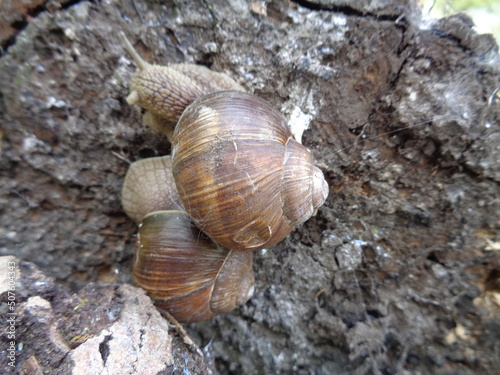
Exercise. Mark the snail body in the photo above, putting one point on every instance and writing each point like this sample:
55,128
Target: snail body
165,91
149,186
242,183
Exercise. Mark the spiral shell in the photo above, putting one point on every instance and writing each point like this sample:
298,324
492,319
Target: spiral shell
185,273
240,174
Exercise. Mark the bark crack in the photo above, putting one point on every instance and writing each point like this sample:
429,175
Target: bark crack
348,11
104,348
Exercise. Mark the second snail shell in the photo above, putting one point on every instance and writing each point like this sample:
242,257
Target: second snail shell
187,274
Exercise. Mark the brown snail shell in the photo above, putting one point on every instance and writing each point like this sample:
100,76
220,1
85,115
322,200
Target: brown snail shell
240,174
187,274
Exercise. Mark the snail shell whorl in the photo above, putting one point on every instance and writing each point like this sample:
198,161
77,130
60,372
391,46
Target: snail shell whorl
185,273
234,162
304,188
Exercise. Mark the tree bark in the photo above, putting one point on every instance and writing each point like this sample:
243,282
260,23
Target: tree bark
398,272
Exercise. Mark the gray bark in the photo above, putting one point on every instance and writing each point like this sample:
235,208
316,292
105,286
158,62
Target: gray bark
398,272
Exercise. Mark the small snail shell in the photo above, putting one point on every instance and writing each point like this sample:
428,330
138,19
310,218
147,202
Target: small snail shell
182,270
241,176
185,273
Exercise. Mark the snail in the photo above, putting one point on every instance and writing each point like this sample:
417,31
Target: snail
241,177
